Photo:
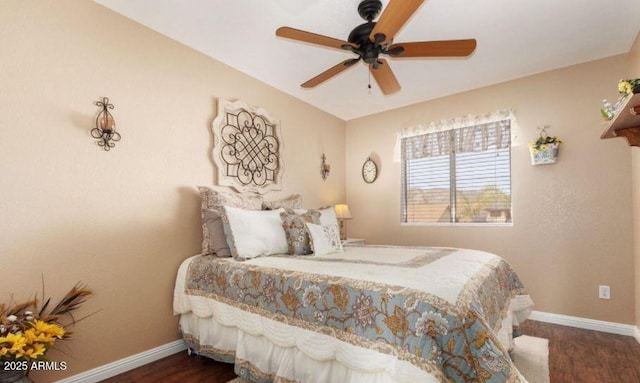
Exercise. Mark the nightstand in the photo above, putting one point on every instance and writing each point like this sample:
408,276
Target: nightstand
353,242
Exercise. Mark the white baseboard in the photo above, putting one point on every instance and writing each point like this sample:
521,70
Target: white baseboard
129,363
587,324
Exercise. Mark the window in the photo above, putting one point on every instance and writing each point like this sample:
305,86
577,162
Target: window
460,175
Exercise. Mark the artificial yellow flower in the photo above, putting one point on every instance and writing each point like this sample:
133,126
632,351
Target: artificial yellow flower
34,336
35,350
13,344
49,328
623,86
544,147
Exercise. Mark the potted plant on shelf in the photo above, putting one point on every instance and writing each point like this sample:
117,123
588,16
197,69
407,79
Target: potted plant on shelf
28,331
544,150
625,88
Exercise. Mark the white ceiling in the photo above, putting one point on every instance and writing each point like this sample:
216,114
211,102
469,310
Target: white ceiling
515,38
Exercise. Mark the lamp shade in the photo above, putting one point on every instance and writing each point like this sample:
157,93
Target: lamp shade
342,211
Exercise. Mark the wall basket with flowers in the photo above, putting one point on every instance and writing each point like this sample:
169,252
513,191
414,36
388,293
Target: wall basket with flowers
545,149
29,329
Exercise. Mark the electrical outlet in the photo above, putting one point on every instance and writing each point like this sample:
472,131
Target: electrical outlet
604,292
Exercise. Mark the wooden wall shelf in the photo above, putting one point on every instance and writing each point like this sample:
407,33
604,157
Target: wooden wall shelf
626,123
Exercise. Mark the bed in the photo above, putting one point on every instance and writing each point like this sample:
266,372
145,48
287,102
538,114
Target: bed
366,314
275,293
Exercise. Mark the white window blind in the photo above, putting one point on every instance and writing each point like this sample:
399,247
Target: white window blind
459,175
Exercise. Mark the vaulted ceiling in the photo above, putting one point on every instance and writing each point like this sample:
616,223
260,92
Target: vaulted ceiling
515,38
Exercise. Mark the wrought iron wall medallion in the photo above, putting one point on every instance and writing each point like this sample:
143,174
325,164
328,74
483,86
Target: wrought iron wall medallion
247,148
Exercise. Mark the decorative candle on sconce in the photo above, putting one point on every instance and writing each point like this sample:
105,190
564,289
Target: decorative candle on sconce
107,123
342,214
105,130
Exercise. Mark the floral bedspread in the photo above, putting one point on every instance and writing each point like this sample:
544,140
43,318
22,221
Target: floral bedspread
393,300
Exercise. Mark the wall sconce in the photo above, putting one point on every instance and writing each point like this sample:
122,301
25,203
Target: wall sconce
342,214
105,130
325,168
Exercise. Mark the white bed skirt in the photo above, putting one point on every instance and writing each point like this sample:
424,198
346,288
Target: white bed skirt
281,353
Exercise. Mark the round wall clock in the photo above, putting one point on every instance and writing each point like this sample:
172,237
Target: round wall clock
369,171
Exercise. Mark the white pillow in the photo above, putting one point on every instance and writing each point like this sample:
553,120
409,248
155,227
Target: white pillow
328,216
325,239
253,233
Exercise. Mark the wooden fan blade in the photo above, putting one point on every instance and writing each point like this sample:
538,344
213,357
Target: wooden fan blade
394,16
324,76
312,38
448,48
384,77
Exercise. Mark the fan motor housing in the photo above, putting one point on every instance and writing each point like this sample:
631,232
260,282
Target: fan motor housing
367,49
360,34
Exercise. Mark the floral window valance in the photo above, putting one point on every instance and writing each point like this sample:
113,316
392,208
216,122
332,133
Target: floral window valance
474,134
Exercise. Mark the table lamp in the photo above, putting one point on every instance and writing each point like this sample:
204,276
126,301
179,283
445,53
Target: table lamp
342,214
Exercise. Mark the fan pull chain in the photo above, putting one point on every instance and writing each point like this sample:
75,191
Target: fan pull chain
369,86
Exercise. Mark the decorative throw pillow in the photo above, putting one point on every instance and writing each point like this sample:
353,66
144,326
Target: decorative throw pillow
217,240
293,201
327,215
296,231
213,199
252,233
324,239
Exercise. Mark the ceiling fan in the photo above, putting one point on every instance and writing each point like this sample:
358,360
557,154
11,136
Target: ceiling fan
372,39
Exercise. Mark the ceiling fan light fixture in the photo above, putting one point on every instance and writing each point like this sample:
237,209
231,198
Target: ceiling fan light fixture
369,53
373,38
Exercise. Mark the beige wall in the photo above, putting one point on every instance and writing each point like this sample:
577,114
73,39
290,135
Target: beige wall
635,168
572,220
121,221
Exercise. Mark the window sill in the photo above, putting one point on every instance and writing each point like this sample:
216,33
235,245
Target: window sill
451,224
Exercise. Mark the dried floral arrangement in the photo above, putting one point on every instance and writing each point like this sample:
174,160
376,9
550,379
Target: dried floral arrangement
28,330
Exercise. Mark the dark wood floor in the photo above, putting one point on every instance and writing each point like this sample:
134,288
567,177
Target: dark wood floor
178,368
584,356
575,355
